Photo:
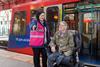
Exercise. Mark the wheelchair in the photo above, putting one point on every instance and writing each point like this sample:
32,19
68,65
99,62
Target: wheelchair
74,61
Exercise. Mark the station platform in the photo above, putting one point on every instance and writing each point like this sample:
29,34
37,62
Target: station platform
12,59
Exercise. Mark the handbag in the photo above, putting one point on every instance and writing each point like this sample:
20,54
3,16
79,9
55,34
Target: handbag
36,38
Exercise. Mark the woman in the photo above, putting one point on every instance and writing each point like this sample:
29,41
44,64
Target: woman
39,39
64,41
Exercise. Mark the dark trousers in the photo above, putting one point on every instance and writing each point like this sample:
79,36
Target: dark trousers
36,58
60,59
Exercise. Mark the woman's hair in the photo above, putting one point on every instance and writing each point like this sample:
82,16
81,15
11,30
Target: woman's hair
38,14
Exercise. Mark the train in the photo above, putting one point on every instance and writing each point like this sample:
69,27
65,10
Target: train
84,18
21,15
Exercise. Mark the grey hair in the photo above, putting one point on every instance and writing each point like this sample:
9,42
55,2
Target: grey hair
64,23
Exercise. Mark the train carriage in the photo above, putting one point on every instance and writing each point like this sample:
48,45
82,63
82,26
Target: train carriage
21,15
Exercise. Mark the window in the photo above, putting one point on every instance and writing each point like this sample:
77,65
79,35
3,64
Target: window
88,22
1,26
4,28
70,11
19,25
52,17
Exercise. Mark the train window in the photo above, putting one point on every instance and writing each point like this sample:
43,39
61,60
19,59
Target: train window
0,28
19,25
6,28
70,12
88,25
52,17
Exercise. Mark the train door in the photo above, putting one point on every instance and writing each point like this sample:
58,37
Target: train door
90,28
53,16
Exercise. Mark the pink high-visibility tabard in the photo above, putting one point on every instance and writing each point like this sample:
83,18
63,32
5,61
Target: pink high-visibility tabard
37,36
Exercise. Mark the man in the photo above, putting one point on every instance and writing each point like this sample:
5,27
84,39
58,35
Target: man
64,41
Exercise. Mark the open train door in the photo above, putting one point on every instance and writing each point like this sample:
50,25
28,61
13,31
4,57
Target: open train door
89,26
53,16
